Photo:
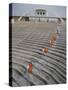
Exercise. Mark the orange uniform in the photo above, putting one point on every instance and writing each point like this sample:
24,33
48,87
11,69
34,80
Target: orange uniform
45,50
30,68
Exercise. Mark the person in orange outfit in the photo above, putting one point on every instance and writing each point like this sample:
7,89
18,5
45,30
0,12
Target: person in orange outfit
45,50
52,40
30,66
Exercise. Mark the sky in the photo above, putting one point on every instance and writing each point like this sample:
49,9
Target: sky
19,9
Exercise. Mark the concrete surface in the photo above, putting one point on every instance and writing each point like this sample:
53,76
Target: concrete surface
28,40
